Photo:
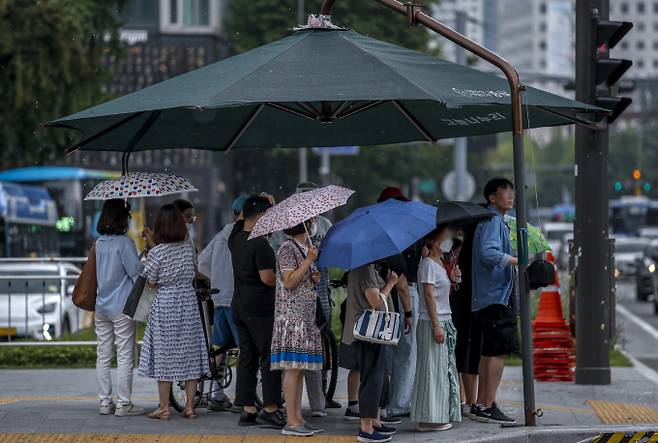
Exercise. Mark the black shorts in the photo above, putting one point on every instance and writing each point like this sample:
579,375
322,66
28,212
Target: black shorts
349,356
498,326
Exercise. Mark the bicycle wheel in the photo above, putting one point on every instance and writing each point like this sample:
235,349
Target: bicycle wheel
178,395
331,361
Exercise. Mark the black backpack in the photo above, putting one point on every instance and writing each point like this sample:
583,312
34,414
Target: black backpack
540,273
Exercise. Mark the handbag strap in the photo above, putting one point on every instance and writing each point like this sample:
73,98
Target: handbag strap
384,299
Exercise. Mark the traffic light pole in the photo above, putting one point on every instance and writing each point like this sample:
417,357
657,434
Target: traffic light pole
591,226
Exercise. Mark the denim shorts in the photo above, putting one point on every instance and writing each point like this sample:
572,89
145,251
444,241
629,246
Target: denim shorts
224,329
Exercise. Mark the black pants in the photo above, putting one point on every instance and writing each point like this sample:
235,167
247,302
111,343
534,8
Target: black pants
372,366
255,341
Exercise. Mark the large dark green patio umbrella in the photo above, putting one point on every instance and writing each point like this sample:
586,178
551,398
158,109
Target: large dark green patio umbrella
315,88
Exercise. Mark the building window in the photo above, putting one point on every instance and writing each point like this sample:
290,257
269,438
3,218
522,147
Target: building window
639,45
623,8
189,16
624,45
640,64
655,45
542,27
640,26
655,63
542,45
542,8
640,8
655,7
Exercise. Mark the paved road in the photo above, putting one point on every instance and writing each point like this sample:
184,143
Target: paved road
637,325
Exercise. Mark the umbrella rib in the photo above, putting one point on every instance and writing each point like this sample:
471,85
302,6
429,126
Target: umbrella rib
414,121
153,116
112,127
281,107
243,128
310,108
339,109
578,120
360,109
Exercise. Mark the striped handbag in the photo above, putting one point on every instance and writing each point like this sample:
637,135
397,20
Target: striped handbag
382,327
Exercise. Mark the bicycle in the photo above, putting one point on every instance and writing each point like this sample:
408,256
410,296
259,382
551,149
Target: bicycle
218,375
222,375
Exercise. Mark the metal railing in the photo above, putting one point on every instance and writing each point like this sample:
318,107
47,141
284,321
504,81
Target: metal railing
36,306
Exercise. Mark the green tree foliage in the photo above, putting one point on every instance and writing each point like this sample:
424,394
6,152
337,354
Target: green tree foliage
51,64
254,23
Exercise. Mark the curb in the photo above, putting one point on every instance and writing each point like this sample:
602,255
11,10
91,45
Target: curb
575,434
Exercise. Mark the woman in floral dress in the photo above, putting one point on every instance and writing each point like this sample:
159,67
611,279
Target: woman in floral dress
174,346
296,341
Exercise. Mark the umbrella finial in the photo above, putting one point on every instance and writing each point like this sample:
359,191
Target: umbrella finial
318,22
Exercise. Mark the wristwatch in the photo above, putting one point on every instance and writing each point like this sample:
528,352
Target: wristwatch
408,314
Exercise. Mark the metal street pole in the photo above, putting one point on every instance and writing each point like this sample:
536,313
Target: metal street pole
303,154
325,167
591,226
415,15
461,143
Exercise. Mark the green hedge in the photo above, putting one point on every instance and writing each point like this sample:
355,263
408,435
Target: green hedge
48,357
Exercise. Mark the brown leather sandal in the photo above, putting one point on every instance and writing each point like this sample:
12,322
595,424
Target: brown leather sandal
189,413
159,414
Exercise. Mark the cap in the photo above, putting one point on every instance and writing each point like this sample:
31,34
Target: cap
392,192
238,203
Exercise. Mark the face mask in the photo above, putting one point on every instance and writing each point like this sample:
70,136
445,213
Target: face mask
446,245
191,233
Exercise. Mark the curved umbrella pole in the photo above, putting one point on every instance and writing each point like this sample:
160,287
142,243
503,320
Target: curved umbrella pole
415,15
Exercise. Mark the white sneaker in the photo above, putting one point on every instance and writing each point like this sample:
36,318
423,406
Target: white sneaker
318,413
129,410
107,408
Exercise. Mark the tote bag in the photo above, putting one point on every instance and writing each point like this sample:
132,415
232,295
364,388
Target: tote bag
140,299
382,327
84,292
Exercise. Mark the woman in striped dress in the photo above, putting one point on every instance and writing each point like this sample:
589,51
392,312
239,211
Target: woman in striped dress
174,346
435,400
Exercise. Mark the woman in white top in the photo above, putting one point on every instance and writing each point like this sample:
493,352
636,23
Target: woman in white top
435,399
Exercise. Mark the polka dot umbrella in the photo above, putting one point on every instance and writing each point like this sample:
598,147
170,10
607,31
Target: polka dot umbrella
300,207
140,184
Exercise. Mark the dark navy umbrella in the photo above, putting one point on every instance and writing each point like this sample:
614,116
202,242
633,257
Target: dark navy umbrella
461,213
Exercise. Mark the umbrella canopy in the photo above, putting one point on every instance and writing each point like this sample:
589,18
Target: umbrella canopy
456,212
317,87
140,184
537,243
300,207
375,232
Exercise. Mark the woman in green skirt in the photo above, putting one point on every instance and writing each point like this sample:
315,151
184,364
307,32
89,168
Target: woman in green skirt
435,399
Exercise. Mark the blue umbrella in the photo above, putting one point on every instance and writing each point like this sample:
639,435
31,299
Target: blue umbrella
375,232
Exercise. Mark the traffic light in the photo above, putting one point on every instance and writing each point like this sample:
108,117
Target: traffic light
618,186
646,187
608,71
637,174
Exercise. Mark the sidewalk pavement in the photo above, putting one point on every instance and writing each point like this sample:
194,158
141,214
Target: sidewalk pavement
61,405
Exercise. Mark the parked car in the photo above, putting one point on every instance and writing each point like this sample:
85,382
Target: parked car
554,233
39,308
628,250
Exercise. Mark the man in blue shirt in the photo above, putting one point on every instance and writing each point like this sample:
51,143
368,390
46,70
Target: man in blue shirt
492,286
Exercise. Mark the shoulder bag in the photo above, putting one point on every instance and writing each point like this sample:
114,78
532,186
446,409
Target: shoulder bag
84,292
381,327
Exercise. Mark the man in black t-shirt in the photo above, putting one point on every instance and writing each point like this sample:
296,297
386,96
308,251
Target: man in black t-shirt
254,267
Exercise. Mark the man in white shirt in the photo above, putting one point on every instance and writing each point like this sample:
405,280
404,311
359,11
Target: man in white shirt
215,262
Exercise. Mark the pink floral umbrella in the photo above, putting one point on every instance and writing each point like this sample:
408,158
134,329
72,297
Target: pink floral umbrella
300,207
140,184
